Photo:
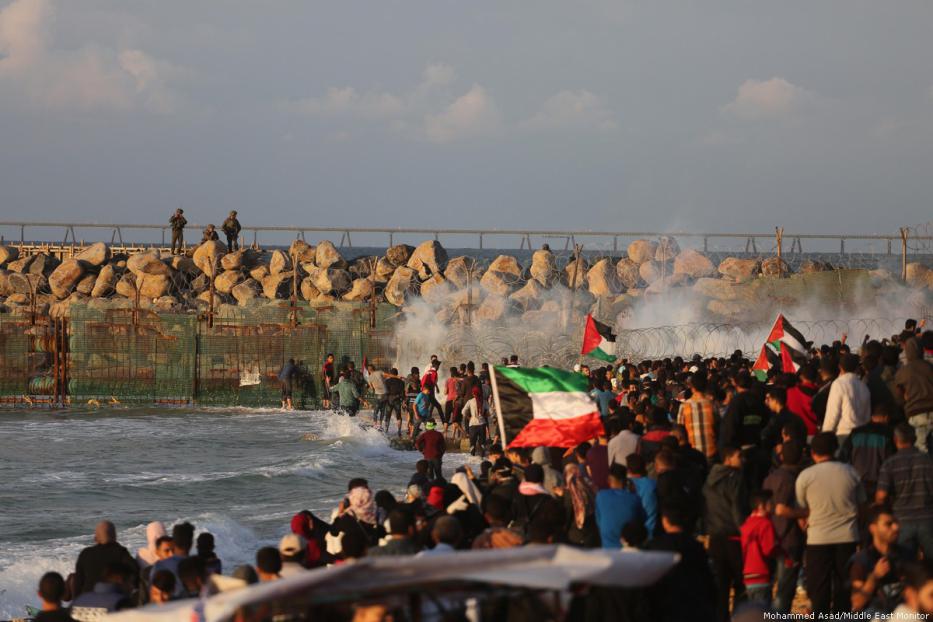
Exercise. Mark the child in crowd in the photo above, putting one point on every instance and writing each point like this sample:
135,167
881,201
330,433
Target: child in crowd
759,547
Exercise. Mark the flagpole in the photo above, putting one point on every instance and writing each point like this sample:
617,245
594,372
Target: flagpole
495,399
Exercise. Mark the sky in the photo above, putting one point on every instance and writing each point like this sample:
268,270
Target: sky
587,115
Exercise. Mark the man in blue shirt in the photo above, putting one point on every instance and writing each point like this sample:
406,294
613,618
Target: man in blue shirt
616,507
424,404
646,489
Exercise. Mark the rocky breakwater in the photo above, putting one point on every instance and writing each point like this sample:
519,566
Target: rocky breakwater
455,289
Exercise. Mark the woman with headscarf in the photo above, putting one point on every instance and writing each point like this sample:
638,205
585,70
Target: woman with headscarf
358,513
148,556
313,530
461,480
580,504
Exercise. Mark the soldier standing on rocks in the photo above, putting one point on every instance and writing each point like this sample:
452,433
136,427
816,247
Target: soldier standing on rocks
210,233
231,228
178,222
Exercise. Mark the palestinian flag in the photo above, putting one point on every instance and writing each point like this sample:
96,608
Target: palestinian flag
598,341
785,349
544,407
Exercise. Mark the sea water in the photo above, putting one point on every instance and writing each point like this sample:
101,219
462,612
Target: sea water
240,474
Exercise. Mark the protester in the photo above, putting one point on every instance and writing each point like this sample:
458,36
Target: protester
914,381
875,571
268,564
432,446
182,541
348,394
849,402
759,548
287,377
162,587
579,496
95,560
51,591
108,595
400,540
906,483
292,549
868,446
616,507
149,555
207,554
781,483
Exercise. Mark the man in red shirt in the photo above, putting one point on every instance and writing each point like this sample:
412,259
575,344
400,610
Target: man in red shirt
432,446
429,381
800,397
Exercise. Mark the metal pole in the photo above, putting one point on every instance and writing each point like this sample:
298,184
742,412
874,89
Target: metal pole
210,309
495,398
372,294
577,248
779,234
904,233
469,317
294,300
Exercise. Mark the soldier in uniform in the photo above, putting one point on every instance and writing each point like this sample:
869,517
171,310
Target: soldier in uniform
231,228
178,222
210,233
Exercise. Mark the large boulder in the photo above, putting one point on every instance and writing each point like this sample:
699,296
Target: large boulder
667,249
436,289
20,265
651,271
8,253
427,259
529,297
259,273
5,282
399,254
458,271
27,283
106,279
166,304
731,309
384,270
277,286
246,292
403,283
331,280
810,266
302,251
739,270
543,267
308,291
773,266
641,251
918,275
576,269
498,283
126,286
279,263
602,281
362,289
183,264
65,277
627,273
154,285
147,263
326,255
506,264
43,264
234,261
96,254
208,256
363,267
719,289
693,264
492,308
227,280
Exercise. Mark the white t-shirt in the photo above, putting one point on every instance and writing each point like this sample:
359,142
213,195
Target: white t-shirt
378,382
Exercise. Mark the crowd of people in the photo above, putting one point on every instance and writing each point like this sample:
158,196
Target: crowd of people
806,490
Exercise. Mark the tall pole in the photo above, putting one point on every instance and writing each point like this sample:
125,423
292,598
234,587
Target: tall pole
495,398
294,300
904,233
779,234
577,248
372,294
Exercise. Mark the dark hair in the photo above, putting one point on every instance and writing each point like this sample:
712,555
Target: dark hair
759,498
400,521
497,507
618,472
824,444
353,544
778,394
875,512
849,363
635,463
357,482
905,432
385,500
791,453
534,474
674,514
917,574
190,569
447,530
698,382
183,536
728,451
205,544
666,458
582,449
269,560
52,587
164,580
163,539
634,533
422,466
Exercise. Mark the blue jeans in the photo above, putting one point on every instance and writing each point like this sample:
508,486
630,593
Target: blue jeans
917,534
786,580
758,594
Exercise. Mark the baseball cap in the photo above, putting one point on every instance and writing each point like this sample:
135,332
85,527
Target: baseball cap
429,425
291,544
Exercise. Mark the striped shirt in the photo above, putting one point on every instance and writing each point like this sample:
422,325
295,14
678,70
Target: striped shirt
699,418
907,477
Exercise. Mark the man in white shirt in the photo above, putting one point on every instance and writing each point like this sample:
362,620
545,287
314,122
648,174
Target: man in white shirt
849,403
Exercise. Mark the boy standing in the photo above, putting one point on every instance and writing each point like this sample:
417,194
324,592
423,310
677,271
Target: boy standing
759,546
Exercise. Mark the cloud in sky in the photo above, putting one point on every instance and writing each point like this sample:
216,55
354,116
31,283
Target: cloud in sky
472,114
573,110
767,100
92,76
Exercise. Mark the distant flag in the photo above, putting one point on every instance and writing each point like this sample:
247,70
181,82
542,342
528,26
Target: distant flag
785,349
598,341
544,406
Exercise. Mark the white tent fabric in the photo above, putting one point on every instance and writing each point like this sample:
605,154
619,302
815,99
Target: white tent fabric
552,567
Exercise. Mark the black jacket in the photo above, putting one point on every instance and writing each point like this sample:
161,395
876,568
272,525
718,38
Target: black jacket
687,591
94,560
726,501
743,422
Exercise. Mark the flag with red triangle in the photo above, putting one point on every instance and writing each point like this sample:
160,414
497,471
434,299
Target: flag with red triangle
785,349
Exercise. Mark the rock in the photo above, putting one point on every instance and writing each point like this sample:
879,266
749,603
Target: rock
277,286
719,289
627,273
427,259
361,289
651,271
200,283
917,275
458,269
21,265
384,270
43,264
5,283
492,308
580,272
693,264
436,289
667,249
207,257
65,277
602,279
8,253
809,266
664,285
26,283
183,264
739,270
17,299
166,304
227,280
147,263
498,283
302,251
506,264
732,309
402,284
103,286
259,273
461,299
772,266
154,285
528,298
399,254
96,254
234,260
279,263
641,251
543,267
326,255
308,291
219,299
331,280
62,309
362,267
85,286
126,286
246,291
